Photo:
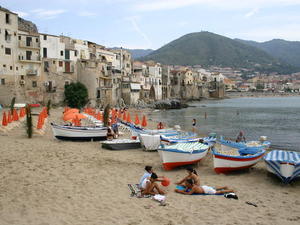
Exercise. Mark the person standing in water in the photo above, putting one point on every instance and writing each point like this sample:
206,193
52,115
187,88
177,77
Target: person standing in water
240,137
194,123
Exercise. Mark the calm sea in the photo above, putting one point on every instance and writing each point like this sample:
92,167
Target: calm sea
278,118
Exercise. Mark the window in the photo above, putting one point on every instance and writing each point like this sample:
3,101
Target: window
17,68
67,82
7,19
7,51
53,61
45,37
67,54
28,55
75,52
2,81
60,63
34,84
22,77
45,52
4,66
36,40
28,41
46,66
10,67
62,53
20,38
7,36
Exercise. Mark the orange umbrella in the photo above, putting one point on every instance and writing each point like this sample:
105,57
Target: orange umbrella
73,116
71,111
15,115
144,121
137,120
76,121
4,120
128,119
124,116
119,114
9,118
113,119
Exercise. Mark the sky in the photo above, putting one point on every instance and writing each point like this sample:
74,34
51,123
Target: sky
144,24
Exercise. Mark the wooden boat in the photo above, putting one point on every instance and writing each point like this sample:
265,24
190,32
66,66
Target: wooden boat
259,144
150,142
79,133
227,158
284,164
185,138
182,154
121,144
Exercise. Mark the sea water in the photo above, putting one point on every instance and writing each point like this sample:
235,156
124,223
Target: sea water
278,118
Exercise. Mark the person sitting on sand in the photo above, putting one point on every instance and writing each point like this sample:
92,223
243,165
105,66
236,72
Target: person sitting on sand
110,134
240,137
150,187
192,188
146,175
192,174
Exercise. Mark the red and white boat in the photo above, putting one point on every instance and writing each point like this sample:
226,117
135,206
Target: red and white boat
227,159
182,154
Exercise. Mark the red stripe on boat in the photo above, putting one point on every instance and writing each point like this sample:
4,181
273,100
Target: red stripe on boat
230,169
237,159
172,165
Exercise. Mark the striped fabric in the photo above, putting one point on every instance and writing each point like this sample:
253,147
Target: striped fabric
277,158
283,157
187,147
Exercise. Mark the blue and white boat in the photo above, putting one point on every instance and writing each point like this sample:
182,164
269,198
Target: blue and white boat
182,154
259,144
284,164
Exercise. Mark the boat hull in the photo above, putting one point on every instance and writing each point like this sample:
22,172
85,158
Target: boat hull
226,163
79,133
284,164
121,146
172,159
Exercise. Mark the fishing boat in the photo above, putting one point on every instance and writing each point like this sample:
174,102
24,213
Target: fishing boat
121,144
227,158
262,143
284,164
74,133
182,154
185,138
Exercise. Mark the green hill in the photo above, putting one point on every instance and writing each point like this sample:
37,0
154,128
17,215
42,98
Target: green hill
209,49
286,51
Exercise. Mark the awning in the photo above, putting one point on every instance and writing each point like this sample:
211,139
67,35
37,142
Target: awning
134,86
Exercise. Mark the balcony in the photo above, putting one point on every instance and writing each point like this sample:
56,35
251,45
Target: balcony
32,72
31,59
31,44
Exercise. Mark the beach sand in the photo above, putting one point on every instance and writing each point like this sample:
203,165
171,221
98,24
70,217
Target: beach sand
45,181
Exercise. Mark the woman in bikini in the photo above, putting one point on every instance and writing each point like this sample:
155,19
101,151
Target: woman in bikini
192,174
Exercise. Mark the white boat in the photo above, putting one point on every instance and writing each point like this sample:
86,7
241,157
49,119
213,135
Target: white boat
263,143
227,158
185,138
150,142
284,164
79,133
182,154
121,144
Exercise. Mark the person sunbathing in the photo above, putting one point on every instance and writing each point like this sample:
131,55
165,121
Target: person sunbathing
191,188
192,174
150,187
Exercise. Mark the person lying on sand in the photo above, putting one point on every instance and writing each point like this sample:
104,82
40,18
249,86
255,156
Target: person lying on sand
191,188
192,174
150,187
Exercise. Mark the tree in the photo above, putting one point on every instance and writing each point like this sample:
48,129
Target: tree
48,107
106,115
12,104
76,95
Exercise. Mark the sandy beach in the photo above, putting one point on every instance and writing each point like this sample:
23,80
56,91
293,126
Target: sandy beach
45,181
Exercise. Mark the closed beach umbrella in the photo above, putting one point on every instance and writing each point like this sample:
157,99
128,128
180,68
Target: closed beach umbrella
9,118
4,119
15,115
119,114
124,116
137,120
144,121
71,111
128,119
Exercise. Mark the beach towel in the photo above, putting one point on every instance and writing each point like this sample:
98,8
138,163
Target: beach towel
136,191
178,187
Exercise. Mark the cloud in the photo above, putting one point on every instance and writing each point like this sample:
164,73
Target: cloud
48,14
21,14
155,5
133,21
86,14
252,12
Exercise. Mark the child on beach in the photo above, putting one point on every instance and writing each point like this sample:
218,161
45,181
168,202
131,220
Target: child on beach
146,174
192,174
150,187
192,188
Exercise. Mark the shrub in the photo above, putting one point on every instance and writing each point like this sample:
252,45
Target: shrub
76,95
